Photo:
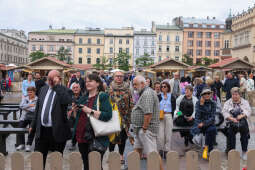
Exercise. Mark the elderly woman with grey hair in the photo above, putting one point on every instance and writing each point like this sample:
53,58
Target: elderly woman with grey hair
236,112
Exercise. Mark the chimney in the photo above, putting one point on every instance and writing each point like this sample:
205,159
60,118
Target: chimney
63,28
214,17
50,27
208,17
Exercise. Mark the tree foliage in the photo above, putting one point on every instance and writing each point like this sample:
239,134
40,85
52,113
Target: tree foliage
122,61
144,61
103,65
36,55
187,59
64,55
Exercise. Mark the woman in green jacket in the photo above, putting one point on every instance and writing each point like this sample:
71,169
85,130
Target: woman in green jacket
87,105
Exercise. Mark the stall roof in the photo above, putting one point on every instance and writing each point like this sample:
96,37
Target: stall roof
168,63
232,63
199,68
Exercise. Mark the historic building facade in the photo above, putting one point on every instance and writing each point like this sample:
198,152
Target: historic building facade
169,41
89,46
226,51
50,41
118,40
201,37
243,30
13,47
144,44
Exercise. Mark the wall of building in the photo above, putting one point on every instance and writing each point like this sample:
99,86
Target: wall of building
87,52
116,40
144,44
50,43
175,47
13,50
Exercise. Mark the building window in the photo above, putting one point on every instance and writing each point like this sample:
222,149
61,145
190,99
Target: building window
177,58
152,51
199,34
167,48
80,40
177,49
111,50
120,41
110,61
120,50
51,48
199,43
207,52
89,40
167,38
98,41
69,48
88,60
190,52
160,37
177,38
137,42
226,44
216,44
152,43
41,47
199,52
89,50
145,42
98,50
190,34
111,41
33,48
199,61
98,60
80,50
216,35
127,50
216,52
137,51
190,43
208,35
159,48
127,41
80,60
208,43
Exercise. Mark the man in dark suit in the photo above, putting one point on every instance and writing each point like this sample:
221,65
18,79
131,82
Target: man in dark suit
50,123
79,80
39,83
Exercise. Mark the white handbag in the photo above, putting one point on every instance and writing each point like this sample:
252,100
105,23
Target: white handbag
102,128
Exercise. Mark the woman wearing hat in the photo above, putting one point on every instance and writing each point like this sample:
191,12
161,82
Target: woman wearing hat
205,120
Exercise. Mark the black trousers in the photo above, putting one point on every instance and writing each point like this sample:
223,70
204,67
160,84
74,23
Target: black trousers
123,137
21,137
84,150
47,143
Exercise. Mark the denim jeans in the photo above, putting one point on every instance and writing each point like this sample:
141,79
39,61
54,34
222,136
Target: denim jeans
210,135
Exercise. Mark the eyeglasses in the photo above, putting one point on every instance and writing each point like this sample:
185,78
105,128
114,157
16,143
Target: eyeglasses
119,76
164,86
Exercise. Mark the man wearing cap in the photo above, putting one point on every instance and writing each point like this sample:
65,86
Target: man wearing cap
205,120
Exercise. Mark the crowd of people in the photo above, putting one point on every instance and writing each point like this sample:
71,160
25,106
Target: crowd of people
148,112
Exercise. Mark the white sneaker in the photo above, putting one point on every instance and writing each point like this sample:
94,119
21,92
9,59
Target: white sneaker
20,147
244,156
28,148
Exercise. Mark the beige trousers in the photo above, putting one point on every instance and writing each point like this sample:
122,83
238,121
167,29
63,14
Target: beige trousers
165,133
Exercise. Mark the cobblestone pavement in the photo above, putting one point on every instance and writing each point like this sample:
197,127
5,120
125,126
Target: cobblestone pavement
177,145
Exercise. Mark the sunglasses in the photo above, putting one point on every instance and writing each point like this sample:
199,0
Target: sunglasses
206,93
164,86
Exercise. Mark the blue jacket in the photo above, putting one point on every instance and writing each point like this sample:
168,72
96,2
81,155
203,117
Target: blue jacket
228,85
204,114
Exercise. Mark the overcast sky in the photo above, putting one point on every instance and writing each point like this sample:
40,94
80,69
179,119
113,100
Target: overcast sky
30,15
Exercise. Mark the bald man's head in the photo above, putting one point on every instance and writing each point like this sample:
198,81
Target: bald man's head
51,76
